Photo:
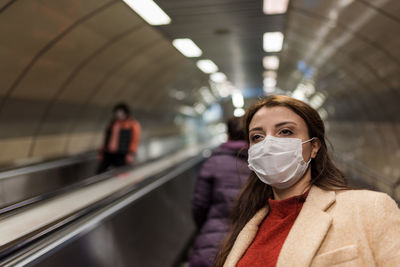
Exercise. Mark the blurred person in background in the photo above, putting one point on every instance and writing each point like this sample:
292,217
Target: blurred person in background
220,180
121,139
296,209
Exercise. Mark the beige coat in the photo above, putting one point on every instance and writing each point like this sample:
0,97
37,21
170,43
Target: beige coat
341,229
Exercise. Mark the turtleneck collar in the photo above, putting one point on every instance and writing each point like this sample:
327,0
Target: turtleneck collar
286,207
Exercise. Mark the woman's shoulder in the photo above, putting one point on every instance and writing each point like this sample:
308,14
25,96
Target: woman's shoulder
359,194
366,199
362,194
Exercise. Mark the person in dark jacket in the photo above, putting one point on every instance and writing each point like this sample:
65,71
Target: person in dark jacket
220,180
121,139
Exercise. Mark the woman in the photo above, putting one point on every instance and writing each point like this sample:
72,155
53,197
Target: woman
221,178
296,209
121,139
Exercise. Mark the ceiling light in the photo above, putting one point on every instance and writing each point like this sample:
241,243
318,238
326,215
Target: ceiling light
223,90
213,113
179,95
238,112
269,82
298,94
149,11
187,47
303,91
237,99
344,3
275,6
206,94
218,77
200,108
207,66
269,90
323,113
271,62
317,100
188,111
273,41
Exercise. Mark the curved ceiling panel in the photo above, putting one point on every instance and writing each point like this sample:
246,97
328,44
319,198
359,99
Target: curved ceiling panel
350,48
69,63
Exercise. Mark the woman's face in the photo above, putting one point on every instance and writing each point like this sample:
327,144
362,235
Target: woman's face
119,114
280,122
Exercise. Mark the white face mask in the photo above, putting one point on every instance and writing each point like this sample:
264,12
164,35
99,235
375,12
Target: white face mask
278,161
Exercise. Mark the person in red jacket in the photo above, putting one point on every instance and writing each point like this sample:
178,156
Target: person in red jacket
121,139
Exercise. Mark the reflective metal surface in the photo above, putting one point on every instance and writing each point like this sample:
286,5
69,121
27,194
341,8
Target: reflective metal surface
149,227
25,185
21,184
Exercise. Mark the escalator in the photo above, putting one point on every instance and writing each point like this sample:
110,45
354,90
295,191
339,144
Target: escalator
131,217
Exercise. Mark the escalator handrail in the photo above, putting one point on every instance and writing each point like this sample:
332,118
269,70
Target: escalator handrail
46,166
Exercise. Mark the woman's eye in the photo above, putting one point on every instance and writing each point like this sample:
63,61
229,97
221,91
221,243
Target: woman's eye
285,132
256,138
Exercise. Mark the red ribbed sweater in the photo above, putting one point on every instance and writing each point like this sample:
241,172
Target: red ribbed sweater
271,235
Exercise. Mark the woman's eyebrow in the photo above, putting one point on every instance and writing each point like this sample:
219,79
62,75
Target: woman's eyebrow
256,129
283,123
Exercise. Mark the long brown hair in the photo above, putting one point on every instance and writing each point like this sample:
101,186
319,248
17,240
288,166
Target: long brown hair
255,193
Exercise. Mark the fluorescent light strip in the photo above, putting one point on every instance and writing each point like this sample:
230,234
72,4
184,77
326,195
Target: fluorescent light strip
223,90
187,47
149,11
273,41
188,111
206,94
238,112
317,100
200,108
179,95
269,82
269,90
218,77
207,66
237,99
275,6
271,62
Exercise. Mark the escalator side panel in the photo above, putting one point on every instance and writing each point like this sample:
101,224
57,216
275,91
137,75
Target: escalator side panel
152,231
25,186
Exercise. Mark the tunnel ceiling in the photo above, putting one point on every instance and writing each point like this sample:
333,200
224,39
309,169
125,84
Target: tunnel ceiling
350,47
229,32
346,51
64,64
